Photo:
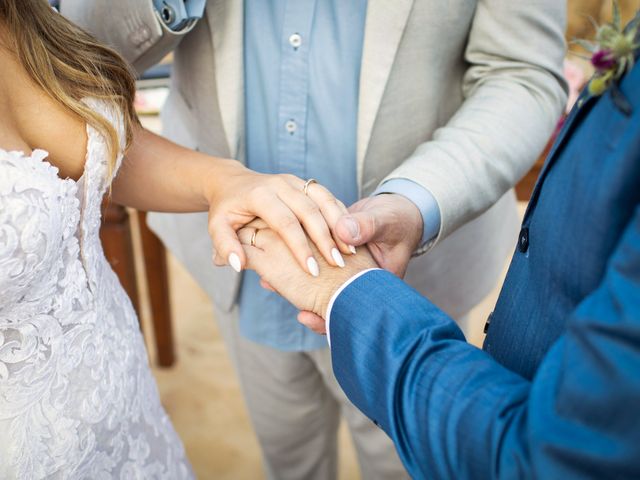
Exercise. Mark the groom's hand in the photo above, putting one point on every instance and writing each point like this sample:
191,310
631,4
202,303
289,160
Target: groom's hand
389,224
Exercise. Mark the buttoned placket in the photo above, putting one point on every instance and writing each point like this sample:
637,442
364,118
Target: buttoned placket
294,87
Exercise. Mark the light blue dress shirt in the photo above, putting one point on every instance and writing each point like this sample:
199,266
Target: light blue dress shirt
302,71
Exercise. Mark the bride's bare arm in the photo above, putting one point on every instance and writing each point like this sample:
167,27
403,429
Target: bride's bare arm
159,175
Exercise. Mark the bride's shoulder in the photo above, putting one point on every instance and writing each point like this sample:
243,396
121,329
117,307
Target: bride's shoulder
34,120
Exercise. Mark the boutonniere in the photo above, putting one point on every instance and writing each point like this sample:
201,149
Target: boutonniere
612,51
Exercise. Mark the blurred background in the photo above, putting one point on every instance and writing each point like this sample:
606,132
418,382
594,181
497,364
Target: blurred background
195,378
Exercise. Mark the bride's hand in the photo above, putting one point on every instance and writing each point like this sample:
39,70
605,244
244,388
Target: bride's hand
272,260
242,195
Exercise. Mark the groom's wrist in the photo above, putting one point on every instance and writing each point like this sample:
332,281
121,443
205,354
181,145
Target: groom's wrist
330,283
333,278
336,294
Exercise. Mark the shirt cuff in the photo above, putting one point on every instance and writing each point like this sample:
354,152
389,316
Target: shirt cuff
337,294
421,198
179,14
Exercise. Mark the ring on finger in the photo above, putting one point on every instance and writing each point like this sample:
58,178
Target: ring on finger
305,188
252,241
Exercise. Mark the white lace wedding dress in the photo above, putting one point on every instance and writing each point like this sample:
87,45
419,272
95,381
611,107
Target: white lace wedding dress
77,398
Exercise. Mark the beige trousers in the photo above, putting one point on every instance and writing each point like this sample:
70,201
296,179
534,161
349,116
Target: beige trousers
295,404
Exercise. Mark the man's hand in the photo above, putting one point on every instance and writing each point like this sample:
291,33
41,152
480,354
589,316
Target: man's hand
389,224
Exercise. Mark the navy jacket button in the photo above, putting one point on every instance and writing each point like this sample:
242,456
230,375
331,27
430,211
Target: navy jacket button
488,322
523,240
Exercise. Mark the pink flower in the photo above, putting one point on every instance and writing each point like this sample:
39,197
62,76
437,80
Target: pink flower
603,60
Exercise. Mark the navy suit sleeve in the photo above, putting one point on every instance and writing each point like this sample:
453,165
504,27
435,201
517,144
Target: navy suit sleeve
454,412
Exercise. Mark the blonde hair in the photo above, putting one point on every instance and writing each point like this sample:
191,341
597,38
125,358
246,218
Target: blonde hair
69,65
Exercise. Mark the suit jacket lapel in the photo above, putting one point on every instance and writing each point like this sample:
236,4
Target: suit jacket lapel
384,26
226,21
583,105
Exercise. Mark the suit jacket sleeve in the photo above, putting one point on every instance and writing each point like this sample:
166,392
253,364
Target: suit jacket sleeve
130,27
454,412
514,95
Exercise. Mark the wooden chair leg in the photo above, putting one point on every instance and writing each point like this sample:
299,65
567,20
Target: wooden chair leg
115,235
155,262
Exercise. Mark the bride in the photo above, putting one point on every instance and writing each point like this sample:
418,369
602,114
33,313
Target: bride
77,399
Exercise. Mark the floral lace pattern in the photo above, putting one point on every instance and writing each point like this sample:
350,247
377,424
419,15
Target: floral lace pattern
77,398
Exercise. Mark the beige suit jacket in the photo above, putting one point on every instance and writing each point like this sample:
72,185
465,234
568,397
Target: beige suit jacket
459,96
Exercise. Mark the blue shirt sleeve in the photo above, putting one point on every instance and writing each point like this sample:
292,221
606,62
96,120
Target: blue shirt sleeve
422,198
178,14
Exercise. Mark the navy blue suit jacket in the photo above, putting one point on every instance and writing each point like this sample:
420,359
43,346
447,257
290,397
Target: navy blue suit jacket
556,391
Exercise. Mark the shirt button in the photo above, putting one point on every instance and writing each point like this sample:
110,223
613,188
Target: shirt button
523,240
295,40
291,126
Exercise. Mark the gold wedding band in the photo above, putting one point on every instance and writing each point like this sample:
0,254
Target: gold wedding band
252,242
305,189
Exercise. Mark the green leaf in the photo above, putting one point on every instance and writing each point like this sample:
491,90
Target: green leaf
587,45
593,23
617,21
607,36
630,37
579,55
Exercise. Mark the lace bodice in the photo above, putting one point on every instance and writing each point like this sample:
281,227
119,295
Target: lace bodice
77,399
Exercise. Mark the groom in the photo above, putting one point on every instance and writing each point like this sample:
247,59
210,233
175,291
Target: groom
556,391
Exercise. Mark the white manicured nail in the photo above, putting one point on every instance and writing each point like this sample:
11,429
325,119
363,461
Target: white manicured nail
312,265
337,257
352,249
234,261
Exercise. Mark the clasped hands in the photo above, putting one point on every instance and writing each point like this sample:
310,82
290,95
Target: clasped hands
387,229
